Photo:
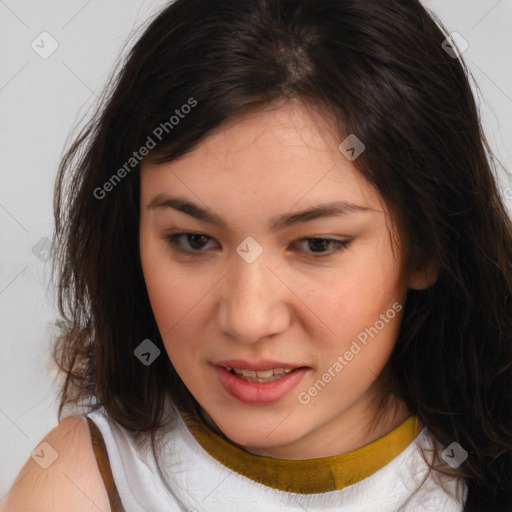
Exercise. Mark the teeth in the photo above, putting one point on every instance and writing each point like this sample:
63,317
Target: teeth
261,375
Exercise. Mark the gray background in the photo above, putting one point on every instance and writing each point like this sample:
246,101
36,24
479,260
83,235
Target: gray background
41,102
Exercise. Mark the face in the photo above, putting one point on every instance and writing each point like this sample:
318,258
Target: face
278,321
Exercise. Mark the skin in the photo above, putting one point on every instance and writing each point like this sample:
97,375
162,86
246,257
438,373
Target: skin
288,304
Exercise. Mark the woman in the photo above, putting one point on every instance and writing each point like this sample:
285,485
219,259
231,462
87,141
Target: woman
284,261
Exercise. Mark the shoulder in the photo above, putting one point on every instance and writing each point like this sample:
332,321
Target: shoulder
66,472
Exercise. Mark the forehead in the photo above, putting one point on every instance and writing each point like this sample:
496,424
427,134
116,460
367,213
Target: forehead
271,158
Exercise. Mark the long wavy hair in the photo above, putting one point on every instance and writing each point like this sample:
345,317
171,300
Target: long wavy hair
379,70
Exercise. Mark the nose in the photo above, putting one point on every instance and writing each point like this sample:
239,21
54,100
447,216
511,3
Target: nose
254,302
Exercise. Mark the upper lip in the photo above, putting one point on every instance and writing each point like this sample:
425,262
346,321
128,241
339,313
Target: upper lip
262,364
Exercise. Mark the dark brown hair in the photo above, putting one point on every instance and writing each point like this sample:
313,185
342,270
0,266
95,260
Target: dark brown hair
378,67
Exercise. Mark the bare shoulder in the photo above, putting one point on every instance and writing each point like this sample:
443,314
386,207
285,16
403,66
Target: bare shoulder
65,476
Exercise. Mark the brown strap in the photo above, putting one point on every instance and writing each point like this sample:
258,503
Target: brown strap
100,451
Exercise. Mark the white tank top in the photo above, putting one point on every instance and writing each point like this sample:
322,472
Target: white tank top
193,480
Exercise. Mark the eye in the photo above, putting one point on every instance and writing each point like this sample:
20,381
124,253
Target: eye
195,244
323,247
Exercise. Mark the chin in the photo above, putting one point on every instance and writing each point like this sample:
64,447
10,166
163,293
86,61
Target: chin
257,438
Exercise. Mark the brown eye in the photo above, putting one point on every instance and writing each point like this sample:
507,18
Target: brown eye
196,241
188,243
322,247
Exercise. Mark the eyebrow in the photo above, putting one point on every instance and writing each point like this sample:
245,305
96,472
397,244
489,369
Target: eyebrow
332,209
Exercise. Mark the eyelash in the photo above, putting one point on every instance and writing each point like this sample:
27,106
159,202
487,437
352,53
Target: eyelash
173,241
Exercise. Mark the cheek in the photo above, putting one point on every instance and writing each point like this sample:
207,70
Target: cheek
366,317
173,303
366,327
358,294
167,290
357,304
178,298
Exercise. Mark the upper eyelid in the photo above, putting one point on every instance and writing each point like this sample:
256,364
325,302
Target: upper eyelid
200,233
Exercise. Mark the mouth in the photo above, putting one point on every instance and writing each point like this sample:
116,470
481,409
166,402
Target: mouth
259,382
263,370
269,375
260,375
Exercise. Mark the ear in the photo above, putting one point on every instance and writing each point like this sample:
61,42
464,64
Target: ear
423,276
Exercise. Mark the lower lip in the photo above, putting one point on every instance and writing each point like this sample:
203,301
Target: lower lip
259,392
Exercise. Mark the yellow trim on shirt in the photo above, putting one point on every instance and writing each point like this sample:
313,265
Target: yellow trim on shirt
312,475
